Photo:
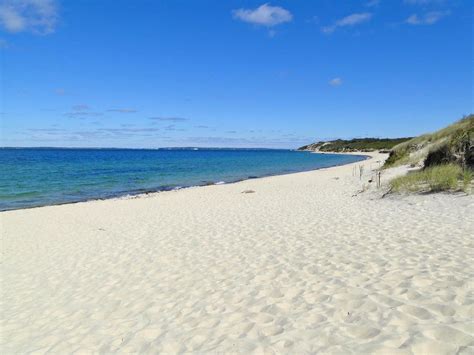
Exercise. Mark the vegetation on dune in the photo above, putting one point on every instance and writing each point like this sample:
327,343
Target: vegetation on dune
453,144
446,177
446,158
355,145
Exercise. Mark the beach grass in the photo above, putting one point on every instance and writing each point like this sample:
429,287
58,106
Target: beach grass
447,177
468,176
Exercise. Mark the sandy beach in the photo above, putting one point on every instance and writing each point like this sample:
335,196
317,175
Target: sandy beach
304,263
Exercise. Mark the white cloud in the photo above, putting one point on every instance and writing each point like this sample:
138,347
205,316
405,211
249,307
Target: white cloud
36,16
335,82
430,18
264,15
351,20
11,20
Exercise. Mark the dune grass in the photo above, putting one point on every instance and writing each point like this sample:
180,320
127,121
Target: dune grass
447,177
467,178
441,147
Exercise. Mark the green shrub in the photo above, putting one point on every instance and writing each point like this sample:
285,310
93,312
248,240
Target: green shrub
440,155
396,156
433,179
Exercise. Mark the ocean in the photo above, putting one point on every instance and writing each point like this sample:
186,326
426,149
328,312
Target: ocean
32,177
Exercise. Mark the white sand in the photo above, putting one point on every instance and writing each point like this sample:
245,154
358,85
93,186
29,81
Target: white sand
299,266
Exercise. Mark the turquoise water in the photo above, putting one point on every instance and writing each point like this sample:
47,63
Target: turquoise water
37,177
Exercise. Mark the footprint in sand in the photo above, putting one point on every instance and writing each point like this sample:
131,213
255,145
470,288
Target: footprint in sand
261,318
427,346
271,331
416,312
363,332
446,311
447,334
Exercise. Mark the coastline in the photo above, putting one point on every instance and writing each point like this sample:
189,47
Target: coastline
162,189
303,264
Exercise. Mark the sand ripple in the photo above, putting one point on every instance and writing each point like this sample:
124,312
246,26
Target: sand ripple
299,266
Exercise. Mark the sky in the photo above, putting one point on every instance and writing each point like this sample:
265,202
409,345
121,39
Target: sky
279,74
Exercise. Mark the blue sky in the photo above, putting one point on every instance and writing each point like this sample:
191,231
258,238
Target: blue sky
123,73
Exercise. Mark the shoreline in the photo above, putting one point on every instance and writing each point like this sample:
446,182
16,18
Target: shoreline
133,195
304,264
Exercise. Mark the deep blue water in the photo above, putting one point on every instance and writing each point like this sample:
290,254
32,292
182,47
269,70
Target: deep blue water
37,177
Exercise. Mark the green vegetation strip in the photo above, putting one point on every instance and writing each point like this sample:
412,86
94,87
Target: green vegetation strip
355,145
448,177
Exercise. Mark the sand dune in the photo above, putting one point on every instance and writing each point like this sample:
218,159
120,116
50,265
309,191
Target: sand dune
300,266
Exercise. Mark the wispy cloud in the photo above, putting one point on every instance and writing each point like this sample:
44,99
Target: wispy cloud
122,110
264,15
244,142
422,2
97,136
47,130
129,130
173,128
169,119
81,107
335,82
103,135
430,18
36,16
82,114
82,111
272,33
351,20
372,3
11,20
